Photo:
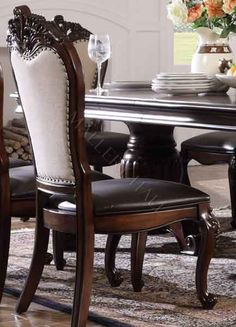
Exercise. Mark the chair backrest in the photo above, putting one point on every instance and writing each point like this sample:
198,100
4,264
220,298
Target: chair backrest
80,36
50,82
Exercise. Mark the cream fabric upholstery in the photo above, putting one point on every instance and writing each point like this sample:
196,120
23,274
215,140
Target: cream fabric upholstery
43,87
88,66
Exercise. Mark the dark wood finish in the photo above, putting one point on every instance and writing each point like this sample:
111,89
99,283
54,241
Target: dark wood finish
113,275
151,152
232,186
9,207
83,221
158,112
39,256
138,246
209,227
148,107
58,241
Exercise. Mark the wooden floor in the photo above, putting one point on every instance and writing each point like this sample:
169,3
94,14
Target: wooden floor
39,316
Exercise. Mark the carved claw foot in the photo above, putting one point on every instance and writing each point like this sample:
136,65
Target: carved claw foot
209,301
113,275
137,287
115,279
48,258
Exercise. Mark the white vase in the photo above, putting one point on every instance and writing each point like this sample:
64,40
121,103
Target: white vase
211,49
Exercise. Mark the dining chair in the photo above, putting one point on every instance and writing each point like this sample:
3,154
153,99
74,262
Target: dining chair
209,149
104,148
50,82
17,195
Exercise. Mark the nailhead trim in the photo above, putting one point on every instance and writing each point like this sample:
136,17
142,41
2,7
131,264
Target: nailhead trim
48,178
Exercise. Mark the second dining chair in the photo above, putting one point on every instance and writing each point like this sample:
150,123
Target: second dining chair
48,71
17,195
210,149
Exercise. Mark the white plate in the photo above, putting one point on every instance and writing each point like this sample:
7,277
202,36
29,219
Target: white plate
128,84
227,80
177,85
190,76
207,87
181,91
181,82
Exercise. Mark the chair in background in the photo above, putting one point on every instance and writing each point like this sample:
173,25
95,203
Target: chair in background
63,176
209,149
17,195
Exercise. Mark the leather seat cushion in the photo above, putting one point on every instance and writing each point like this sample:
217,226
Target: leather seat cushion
105,148
131,195
97,176
18,163
22,181
221,142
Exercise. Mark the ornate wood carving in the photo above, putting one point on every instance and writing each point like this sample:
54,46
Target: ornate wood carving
26,30
71,31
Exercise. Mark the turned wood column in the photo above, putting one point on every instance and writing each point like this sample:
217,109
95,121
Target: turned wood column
151,153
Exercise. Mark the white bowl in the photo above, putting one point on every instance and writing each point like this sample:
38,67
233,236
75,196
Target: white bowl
227,80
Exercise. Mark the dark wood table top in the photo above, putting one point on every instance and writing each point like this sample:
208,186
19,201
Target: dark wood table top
215,111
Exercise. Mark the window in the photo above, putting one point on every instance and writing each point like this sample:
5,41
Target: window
185,43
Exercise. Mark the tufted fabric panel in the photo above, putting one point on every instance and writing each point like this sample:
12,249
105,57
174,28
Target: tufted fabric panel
88,66
43,88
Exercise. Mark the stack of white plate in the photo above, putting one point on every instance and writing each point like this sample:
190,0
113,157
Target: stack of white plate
183,83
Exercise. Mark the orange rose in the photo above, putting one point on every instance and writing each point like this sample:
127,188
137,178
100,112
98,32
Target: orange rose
194,13
229,5
214,8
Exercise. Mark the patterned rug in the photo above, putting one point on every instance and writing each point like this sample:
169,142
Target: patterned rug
168,297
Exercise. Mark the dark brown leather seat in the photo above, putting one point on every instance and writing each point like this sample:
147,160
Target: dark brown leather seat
18,163
119,196
220,142
213,148
105,148
22,182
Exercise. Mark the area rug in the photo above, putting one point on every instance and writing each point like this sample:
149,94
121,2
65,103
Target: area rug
168,298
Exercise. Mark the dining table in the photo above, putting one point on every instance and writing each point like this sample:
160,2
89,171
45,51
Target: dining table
152,118
151,152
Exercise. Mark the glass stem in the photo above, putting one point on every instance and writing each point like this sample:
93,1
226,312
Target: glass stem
99,88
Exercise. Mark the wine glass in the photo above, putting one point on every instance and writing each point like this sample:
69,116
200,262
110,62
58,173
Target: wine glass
99,50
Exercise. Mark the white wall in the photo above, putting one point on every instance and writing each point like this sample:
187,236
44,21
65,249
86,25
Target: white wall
139,47
142,39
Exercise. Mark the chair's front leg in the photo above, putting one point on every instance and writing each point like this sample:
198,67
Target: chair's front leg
38,259
58,241
112,274
138,246
5,228
209,228
184,171
232,186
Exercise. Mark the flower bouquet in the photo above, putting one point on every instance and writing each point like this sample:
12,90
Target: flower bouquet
218,15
